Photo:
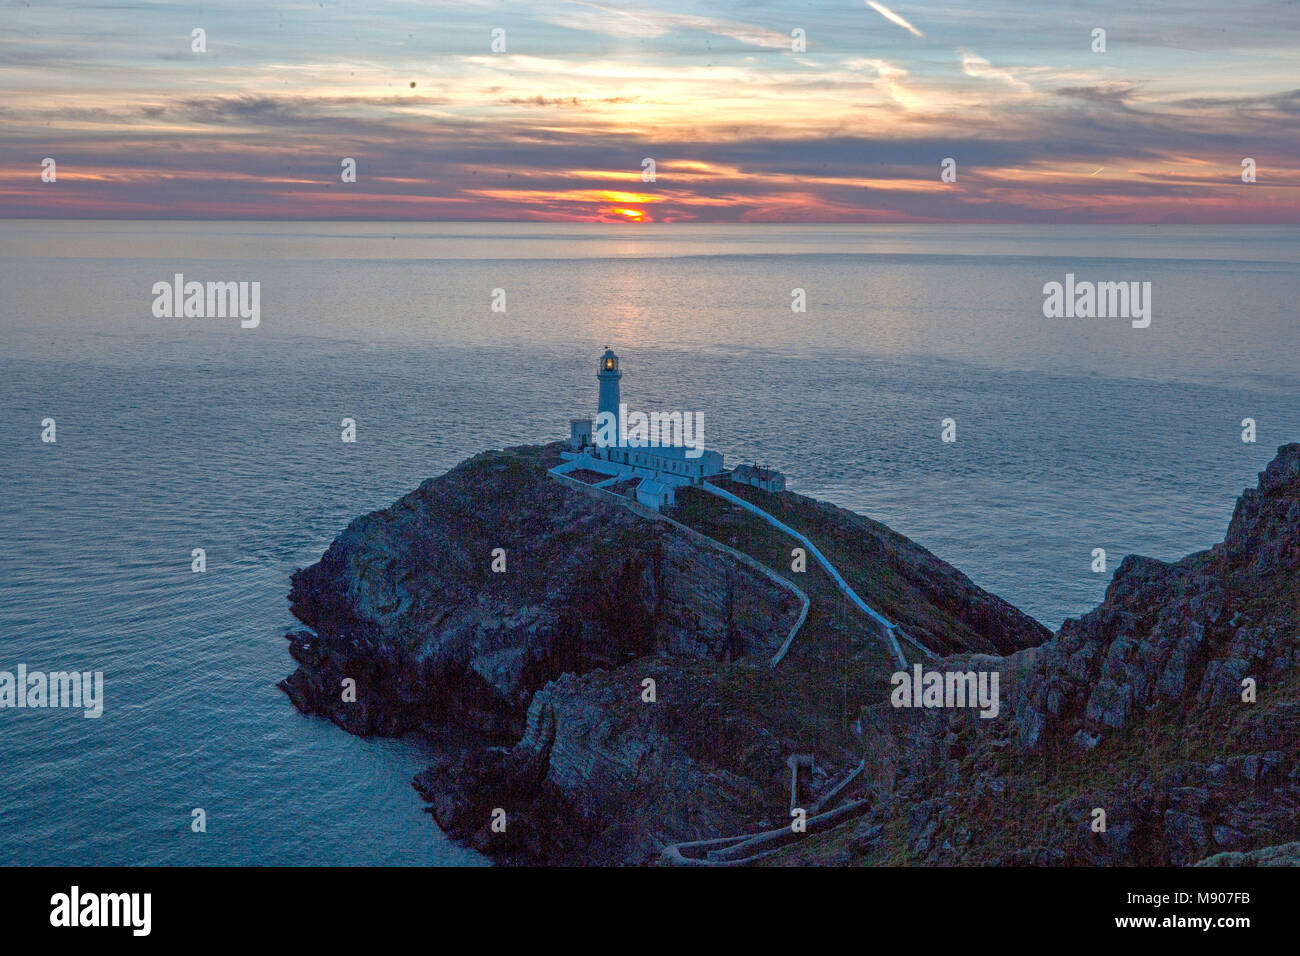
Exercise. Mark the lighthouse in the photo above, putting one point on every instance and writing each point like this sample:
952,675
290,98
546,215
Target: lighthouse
660,458
608,377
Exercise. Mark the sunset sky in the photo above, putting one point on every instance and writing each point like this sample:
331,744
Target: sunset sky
740,126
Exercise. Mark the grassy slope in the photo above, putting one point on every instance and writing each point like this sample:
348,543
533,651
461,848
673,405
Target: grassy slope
903,581
836,666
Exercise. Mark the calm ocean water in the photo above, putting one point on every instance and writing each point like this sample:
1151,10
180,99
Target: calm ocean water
175,434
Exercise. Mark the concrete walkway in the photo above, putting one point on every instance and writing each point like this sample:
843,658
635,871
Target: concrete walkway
887,627
748,847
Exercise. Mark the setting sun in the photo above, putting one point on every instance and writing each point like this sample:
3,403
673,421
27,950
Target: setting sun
620,214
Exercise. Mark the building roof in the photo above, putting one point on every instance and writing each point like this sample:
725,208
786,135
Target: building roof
652,487
754,471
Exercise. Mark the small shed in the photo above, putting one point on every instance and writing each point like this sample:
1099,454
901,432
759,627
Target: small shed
654,494
769,479
579,433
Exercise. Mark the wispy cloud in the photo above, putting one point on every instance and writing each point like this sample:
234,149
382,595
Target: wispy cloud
742,125
643,23
976,66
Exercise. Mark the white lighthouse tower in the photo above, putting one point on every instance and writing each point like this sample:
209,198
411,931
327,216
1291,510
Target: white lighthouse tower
608,377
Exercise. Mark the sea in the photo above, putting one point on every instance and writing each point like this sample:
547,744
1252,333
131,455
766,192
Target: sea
442,340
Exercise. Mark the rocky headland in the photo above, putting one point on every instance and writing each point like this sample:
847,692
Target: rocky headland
608,686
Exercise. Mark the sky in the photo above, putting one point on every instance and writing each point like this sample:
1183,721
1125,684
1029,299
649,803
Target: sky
752,111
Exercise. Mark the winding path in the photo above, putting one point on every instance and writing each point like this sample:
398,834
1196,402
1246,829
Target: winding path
748,847
887,626
601,493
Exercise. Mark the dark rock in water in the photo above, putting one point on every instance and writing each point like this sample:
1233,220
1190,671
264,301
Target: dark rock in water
1186,837
1226,836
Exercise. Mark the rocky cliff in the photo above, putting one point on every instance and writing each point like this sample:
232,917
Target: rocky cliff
533,677
606,691
1161,728
407,602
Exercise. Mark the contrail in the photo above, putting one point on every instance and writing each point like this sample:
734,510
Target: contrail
893,17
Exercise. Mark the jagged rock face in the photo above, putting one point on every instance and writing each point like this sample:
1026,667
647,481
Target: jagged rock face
1137,709
405,601
1182,634
1264,537
602,777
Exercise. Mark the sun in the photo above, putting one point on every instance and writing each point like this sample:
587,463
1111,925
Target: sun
624,214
